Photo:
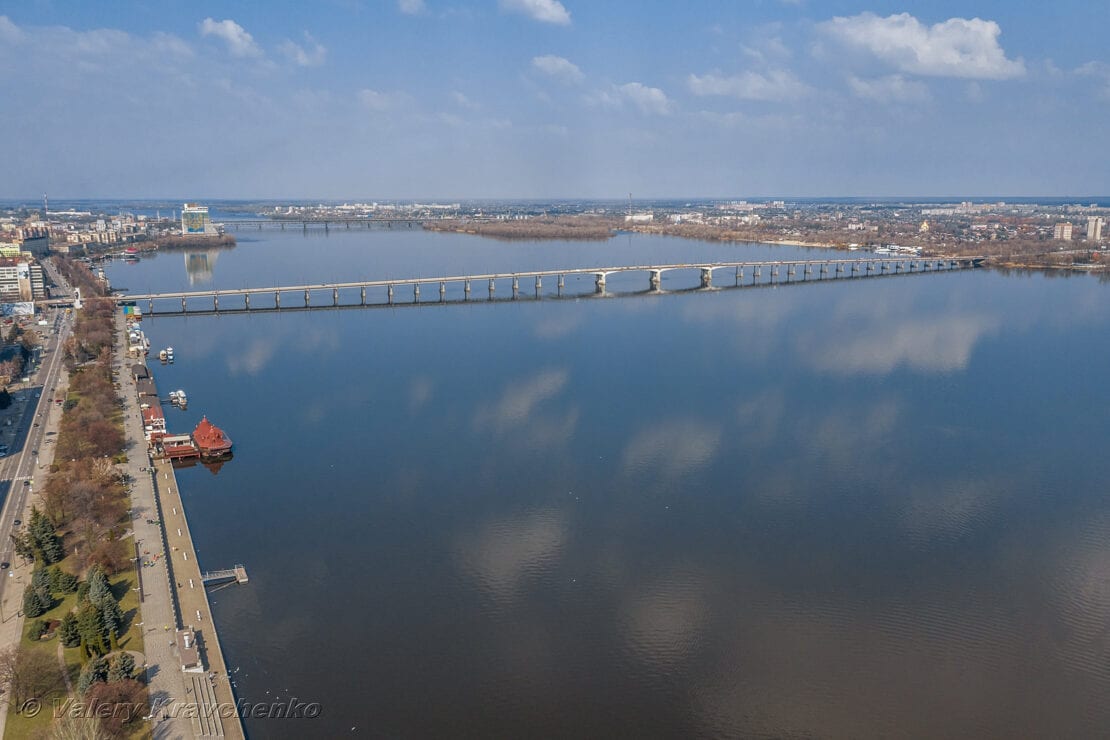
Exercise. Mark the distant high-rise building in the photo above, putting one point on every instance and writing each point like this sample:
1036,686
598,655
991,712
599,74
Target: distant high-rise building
1062,231
1094,228
194,220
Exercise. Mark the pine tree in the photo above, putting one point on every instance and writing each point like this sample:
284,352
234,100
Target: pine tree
99,589
32,603
90,625
96,670
122,667
68,632
62,582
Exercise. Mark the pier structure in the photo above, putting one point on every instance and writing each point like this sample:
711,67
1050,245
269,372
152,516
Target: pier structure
740,274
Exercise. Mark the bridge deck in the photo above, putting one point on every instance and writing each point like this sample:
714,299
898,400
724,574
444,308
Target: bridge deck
883,262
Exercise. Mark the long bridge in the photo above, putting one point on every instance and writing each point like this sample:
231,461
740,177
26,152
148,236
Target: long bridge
326,222
741,274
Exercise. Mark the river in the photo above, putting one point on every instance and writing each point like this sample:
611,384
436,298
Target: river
867,508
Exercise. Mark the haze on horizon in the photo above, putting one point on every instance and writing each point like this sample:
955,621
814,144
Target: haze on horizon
553,99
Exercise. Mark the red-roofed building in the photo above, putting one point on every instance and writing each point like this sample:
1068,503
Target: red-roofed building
154,423
210,439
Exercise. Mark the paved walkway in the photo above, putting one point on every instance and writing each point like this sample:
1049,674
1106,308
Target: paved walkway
174,594
165,679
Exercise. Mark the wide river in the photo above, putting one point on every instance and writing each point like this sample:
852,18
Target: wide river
873,508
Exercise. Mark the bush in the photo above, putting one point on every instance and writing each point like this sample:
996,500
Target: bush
38,628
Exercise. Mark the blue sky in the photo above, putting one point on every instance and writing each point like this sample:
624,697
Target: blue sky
380,99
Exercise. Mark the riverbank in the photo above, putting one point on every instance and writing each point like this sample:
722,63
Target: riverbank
173,594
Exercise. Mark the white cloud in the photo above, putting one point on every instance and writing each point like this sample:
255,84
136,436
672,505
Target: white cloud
892,88
557,67
310,55
9,32
958,47
412,7
239,42
464,102
378,101
545,11
1100,73
650,100
775,85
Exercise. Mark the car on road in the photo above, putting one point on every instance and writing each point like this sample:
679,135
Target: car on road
17,522
5,565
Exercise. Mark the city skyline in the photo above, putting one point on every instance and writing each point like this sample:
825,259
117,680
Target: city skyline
549,99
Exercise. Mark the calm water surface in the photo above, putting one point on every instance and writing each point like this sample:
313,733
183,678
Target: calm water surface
875,508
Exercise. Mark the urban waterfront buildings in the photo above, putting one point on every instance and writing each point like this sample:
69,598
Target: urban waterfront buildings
1094,228
1062,231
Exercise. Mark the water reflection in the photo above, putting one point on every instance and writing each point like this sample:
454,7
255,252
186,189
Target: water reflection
199,265
868,509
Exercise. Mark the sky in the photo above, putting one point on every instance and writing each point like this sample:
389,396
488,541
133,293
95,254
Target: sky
461,99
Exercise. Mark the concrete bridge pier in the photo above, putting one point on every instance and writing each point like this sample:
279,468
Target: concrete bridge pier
870,268
306,298
739,274
491,288
655,278
807,271
789,272
389,293
182,305
282,227
416,292
516,285
855,268
363,295
824,269
466,288
599,282
277,299
335,296
151,304
706,277
774,272
756,274
539,286
442,291
561,284
247,301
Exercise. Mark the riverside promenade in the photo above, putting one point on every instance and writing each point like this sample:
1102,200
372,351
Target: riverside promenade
185,705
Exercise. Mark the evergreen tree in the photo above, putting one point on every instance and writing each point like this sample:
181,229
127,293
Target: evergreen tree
68,632
90,625
32,603
40,582
112,617
95,670
122,667
46,543
82,591
99,590
24,545
5,399
62,582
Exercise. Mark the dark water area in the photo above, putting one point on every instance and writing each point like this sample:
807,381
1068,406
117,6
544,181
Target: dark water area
874,508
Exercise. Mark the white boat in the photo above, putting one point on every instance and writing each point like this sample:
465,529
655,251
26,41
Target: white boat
163,355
